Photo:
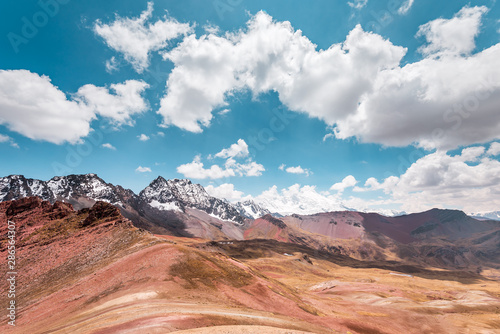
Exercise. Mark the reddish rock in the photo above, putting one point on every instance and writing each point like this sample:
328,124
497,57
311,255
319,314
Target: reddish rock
101,211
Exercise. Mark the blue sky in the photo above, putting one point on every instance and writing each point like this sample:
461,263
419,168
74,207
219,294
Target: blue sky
360,94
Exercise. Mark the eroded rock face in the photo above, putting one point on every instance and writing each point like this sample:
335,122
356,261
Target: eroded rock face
39,222
101,211
25,204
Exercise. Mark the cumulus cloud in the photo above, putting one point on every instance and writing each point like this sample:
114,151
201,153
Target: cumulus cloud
143,137
141,169
358,87
271,56
295,170
32,106
136,38
108,146
405,7
196,169
494,149
468,181
118,107
237,150
456,35
348,182
225,190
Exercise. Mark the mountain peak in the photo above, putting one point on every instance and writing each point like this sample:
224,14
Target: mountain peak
178,194
250,209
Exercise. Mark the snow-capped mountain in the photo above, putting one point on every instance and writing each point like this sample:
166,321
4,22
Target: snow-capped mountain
250,209
298,200
71,188
83,190
178,194
384,212
495,215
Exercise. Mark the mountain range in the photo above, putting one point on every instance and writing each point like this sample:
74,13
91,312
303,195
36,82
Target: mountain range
447,238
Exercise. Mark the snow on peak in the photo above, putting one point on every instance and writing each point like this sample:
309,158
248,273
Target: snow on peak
184,193
250,209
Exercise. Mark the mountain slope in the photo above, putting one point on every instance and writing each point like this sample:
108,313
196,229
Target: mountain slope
178,194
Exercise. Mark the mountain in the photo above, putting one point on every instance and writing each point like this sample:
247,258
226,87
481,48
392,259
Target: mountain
446,238
250,209
80,190
176,207
441,238
495,215
296,200
177,195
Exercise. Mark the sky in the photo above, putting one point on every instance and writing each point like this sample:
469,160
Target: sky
304,106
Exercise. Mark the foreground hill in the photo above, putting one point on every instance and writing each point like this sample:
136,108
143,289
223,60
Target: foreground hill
92,271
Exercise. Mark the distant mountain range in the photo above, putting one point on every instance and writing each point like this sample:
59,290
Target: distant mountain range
495,215
447,238
164,195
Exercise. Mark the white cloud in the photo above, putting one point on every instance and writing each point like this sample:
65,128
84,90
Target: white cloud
296,170
143,137
111,65
249,168
454,36
136,38
494,149
472,154
271,56
442,180
237,150
282,167
197,170
108,146
118,107
160,133
357,4
141,169
348,182
32,106
358,87
405,7
7,139
328,135
225,190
